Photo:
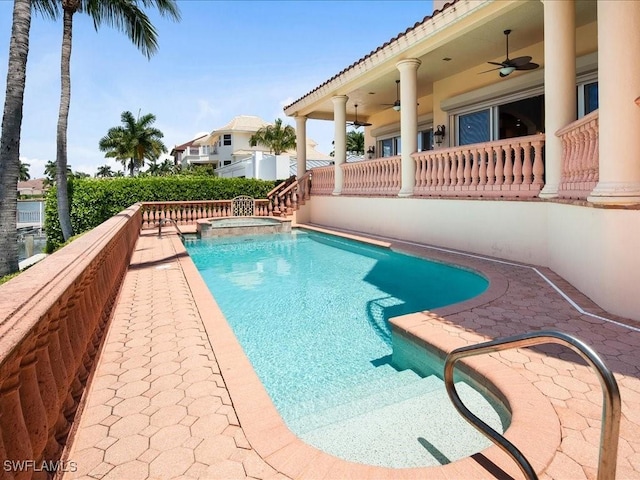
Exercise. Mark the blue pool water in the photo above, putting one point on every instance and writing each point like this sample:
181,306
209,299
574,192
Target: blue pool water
311,311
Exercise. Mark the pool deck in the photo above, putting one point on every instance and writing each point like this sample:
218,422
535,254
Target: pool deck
159,403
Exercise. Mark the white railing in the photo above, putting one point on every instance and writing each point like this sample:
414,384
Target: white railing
32,217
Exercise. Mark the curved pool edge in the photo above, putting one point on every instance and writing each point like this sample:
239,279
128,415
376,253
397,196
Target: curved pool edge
266,432
498,284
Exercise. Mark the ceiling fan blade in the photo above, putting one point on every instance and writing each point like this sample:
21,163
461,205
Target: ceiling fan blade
361,124
492,70
528,66
516,62
497,63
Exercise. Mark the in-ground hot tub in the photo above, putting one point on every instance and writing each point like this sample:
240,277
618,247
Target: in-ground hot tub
232,226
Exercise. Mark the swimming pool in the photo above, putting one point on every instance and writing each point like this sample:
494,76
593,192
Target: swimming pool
311,313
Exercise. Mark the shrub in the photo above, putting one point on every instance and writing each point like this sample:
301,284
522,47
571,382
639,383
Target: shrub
94,200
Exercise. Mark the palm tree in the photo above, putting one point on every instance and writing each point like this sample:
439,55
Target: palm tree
104,171
50,170
126,16
276,138
24,172
135,141
11,126
355,142
154,168
80,175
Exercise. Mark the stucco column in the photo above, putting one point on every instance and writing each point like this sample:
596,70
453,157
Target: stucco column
619,117
339,138
559,85
301,146
408,123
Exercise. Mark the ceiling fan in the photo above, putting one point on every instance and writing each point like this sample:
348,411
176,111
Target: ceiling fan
396,104
357,124
509,65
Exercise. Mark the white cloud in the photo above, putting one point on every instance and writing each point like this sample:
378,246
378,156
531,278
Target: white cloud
36,166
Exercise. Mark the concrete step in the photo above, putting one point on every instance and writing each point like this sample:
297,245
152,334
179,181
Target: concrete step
367,401
347,389
419,431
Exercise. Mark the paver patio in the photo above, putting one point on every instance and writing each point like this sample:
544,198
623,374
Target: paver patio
158,406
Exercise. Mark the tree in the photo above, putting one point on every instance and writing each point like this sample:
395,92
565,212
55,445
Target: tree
12,125
276,138
135,141
161,169
355,142
104,171
126,16
50,170
24,172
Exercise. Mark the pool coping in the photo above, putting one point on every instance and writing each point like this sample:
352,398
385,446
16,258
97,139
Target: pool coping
279,447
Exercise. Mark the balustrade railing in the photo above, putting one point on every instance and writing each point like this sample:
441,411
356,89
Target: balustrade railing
286,198
52,320
187,213
580,167
29,217
323,180
505,168
372,177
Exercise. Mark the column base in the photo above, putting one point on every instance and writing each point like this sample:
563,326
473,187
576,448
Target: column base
549,191
615,193
405,193
336,192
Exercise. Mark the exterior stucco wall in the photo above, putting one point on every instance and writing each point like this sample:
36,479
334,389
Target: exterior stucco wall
594,249
509,230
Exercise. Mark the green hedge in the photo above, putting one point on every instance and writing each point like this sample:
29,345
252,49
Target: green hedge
92,201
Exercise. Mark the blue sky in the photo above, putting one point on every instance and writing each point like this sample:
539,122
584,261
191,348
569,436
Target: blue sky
225,58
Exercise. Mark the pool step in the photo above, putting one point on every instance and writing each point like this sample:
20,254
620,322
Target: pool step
383,377
422,430
369,398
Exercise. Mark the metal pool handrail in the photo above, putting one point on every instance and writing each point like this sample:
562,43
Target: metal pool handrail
610,406
169,220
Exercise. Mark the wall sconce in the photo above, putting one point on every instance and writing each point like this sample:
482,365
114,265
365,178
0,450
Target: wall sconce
371,151
439,134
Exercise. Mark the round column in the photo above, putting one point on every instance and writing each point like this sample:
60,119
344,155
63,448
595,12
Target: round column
619,116
339,138
301,146
560,85
408,123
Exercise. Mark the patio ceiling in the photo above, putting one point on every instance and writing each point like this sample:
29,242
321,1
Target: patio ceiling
469,40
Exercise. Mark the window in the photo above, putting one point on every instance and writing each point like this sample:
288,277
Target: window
425,140
390,147
521,118
474,127
226,139
587,98
226,162
518,118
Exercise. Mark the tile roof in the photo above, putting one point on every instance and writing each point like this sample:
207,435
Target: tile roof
243,123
